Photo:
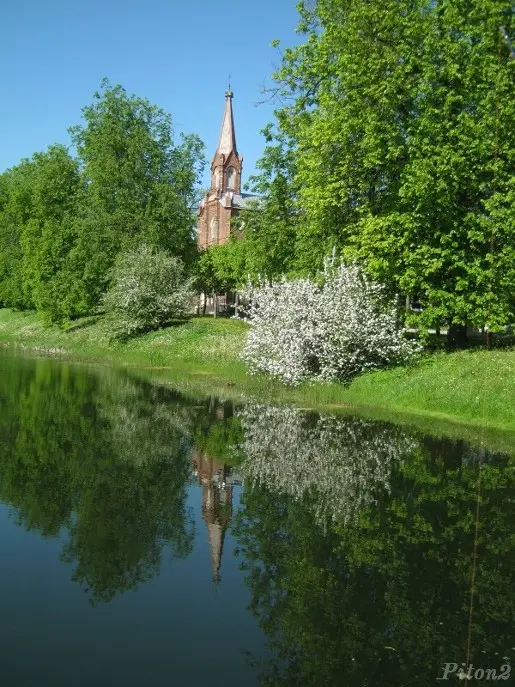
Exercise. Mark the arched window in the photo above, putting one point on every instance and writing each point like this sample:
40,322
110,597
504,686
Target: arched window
217,177
231,178
214,230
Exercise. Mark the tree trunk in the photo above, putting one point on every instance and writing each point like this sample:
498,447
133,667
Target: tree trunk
204,304
456,336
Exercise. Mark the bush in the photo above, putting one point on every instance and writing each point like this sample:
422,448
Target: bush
330,331
148,290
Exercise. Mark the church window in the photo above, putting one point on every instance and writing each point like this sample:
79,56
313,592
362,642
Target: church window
230,178
217,177
214,230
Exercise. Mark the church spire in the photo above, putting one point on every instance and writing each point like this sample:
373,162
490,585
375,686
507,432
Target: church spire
227,142
227,165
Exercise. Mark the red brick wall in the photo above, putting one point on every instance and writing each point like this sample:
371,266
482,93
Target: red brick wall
213,208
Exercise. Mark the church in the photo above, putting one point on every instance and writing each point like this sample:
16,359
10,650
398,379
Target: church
224,201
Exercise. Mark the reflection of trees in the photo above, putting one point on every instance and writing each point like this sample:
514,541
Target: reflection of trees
125,517
339,461
51,426
384,599
217,432
104,456
145,421
357,538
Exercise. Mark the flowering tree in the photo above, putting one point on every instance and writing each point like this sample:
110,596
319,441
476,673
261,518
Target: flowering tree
148,290
328,331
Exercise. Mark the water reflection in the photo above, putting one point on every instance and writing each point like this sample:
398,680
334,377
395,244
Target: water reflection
217,480
80,455
339,464
423,576
358,541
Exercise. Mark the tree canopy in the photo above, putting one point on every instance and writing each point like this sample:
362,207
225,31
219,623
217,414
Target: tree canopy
394,142
64,218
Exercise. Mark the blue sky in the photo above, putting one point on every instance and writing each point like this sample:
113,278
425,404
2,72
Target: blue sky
54,53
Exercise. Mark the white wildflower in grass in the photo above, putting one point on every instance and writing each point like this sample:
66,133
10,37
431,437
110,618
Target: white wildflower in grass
148,290
331,331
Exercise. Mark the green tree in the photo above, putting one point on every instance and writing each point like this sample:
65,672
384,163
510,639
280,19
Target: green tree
39,203
220,268
47,235
141,184
230,263
400,123
206,281
141,187
15,203
269,228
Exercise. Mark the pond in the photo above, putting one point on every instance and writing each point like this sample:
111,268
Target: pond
153,538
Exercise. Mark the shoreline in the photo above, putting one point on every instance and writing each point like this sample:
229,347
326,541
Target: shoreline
465,394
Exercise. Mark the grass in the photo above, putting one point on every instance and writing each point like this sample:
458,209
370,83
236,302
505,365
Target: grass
468,394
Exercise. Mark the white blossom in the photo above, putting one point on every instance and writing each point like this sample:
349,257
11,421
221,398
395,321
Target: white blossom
342,463
331,331
148,290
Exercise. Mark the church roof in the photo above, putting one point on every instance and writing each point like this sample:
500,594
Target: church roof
244,201
241,201
227,142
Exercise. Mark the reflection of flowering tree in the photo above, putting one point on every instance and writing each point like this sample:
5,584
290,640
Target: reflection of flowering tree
146,422
385,600
339,461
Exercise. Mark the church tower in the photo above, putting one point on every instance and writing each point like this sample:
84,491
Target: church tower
227,165
224,200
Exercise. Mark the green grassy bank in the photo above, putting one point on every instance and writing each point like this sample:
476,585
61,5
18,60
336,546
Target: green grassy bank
474,389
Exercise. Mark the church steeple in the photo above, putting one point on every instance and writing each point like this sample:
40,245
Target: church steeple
224,201
227,142
227,165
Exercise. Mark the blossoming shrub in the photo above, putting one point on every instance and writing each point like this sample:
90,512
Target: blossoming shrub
283,329
148,290
330,331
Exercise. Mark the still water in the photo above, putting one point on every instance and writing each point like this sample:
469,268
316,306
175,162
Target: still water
150,538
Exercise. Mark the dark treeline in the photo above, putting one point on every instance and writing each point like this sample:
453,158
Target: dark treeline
64,218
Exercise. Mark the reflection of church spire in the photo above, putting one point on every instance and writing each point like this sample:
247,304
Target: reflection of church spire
216,483
216,544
